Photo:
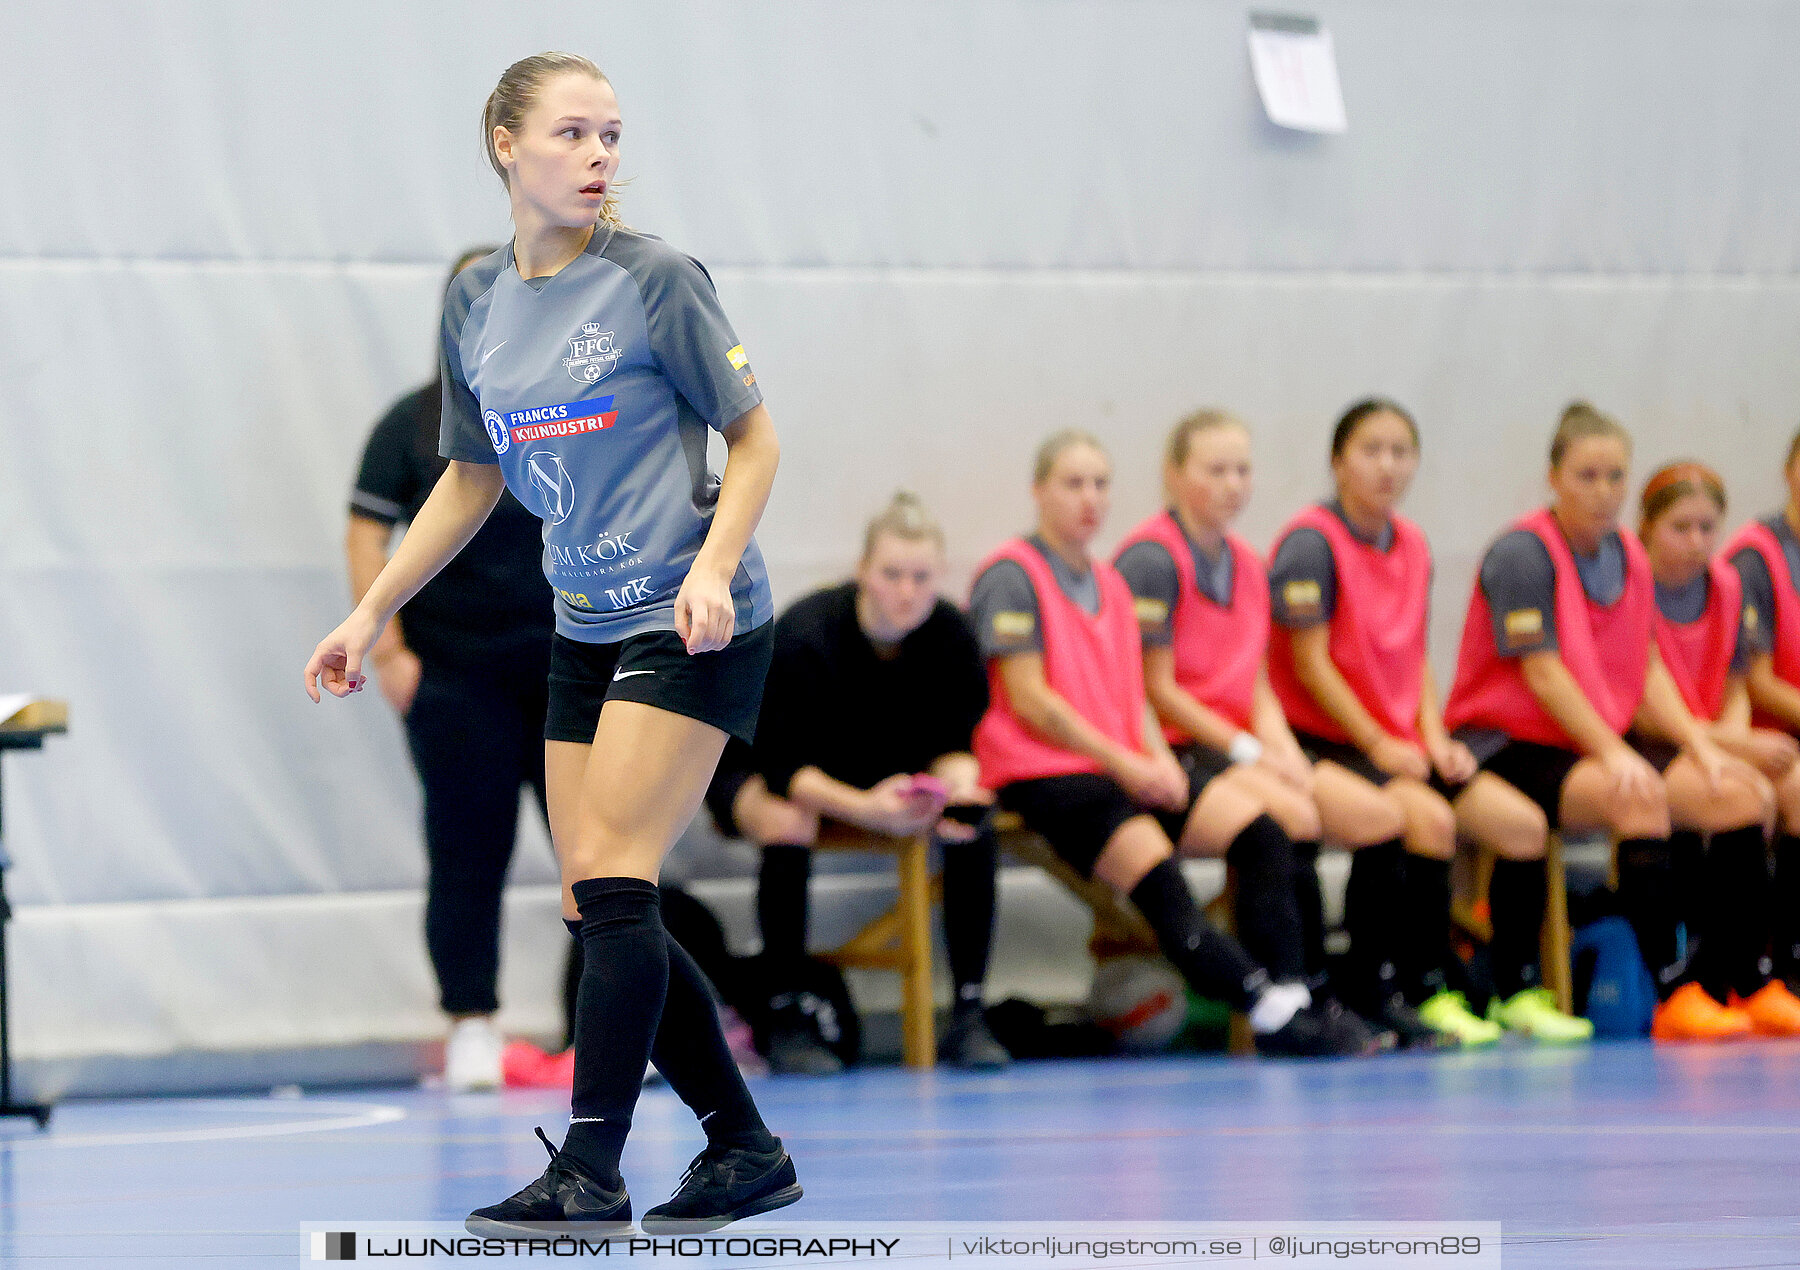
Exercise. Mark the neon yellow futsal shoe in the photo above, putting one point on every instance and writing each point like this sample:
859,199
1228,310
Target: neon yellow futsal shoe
1448,1013
1534,1013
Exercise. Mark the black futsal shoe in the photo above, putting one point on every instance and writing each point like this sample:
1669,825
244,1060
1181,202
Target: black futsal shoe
1348,1033
970,1045
563,1201
722,1185
1323,1030
1302,1036
795,1050
1409,1029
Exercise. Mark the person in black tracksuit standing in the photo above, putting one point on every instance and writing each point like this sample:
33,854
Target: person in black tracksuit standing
465,667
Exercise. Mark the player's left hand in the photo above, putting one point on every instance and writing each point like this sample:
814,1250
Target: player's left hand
1718,766
1454,761
704,615
1290,765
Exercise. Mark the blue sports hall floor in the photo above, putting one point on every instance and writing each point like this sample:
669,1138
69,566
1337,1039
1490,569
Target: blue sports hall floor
1611,1155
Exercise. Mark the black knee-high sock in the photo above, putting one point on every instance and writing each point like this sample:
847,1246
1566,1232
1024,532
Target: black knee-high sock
1784,908
1310,898
1268,914
1209,959
624,978
571,986
1687,857
1425,946
1516,906
969,869
1374,917
691,1053
1731,927
1647,898
693,1056
781,912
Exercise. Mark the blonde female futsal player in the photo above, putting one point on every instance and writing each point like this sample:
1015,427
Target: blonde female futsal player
582,366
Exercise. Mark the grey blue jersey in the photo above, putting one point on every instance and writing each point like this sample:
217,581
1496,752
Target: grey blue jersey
593,389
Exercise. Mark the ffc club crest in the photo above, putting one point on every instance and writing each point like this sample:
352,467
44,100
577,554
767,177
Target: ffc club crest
591,354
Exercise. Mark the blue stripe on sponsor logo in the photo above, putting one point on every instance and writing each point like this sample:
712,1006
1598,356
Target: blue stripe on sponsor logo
585,409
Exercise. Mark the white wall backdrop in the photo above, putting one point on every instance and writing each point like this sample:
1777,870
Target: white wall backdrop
943,229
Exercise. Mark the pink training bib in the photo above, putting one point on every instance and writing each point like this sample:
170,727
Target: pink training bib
1607,649
1377,629
1219,648
1093,661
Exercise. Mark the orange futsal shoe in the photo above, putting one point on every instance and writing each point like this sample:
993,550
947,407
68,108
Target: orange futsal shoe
1772,1009
1691,1015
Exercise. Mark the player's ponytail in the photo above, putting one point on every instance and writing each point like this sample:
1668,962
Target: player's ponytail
1579,422
906,518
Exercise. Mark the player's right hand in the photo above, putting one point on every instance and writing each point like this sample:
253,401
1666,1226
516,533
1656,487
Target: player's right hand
1400,758
337,662
1153,780
895,807
1772,752
1632,775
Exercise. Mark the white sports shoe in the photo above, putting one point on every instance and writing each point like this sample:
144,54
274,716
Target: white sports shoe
472,1056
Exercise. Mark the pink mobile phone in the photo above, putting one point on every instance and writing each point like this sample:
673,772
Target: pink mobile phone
926,784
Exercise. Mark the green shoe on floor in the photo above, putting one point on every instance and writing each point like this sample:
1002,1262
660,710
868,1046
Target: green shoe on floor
1534,1013
1448,1012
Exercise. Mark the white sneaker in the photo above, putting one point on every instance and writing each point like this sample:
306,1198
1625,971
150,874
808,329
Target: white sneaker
472,1056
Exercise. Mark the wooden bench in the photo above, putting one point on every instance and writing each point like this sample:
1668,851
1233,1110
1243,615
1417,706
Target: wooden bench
899,939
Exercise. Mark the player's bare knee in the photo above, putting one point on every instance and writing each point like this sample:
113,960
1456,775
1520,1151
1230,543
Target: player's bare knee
1298,819
1523,835
1136,847
1787,799
1638,815
1433,832
1372,820
1736,805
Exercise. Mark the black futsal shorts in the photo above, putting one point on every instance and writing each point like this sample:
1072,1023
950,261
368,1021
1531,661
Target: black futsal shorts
1076,814
1319,749
723,688
1537,771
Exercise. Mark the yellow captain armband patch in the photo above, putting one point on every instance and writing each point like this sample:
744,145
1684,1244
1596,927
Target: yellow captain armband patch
737,357
1011,624
1302,597
1524,628
1150,611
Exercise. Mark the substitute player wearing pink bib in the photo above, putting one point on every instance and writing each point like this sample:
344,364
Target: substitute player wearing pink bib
1766,556
1069,743
1351,587
1203,613
1556,665
1706,644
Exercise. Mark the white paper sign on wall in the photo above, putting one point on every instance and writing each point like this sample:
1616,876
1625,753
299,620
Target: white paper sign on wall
1296,72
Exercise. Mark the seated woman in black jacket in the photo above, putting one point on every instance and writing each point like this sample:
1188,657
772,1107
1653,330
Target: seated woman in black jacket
874,693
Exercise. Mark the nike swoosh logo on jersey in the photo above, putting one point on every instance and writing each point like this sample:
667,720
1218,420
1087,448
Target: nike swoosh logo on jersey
626,674
495,349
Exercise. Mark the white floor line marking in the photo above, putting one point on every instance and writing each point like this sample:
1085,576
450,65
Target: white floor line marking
356,1116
